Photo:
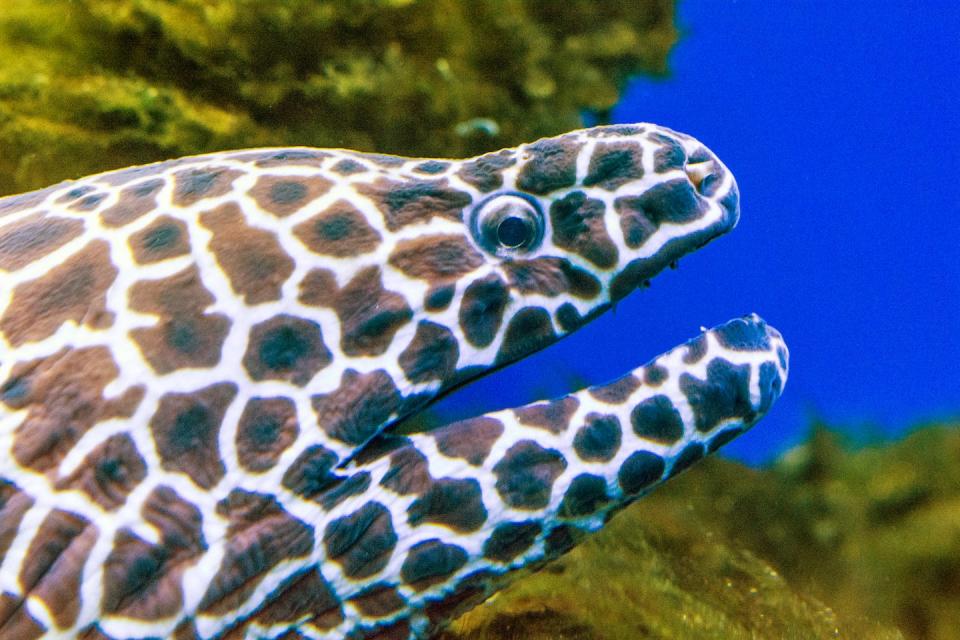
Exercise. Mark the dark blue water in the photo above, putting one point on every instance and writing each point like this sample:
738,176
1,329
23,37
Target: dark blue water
841,121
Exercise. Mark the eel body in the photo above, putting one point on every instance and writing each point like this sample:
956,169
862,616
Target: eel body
203,363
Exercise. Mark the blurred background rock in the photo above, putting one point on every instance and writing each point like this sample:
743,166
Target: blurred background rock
89,85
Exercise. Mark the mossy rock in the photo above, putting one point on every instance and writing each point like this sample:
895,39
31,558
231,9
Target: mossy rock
661,570
90,85
830,542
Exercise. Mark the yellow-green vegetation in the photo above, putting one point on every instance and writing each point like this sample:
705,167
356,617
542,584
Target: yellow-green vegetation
88,85
827,543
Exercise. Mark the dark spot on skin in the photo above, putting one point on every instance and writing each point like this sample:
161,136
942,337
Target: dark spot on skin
724,395
132,203
184,336
284,195
723,438
356,410
63,396
348,167
782,356
24,201
578,225
161,236
52,568
304,595
469,439
319,288
409,472
453,503
654,375
554,416
430,562
599,438
481,310
89,203
431,355
341,230
432,167
267,427
731,206
560,540
312,472
165,238
415,201
286,348
744,334
529,330
469,591
378,600
252,258
143,580
395,631
510,539
74,290
369,314
435,258
260,535
361,542
14,503
193,185
438,298
640,471
696,349
551,277
552,165
691,453
343,489
14,389
283,157
75,193
384,159
287,192
658,420
615,131
485,172
669,156
380,446
613,165
108,473
33,237
186,429
674,202
526,474
587,493
771,386
569,318
618,391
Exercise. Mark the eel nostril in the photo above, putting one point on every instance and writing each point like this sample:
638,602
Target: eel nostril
702,175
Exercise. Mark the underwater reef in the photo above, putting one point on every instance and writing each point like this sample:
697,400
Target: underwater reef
828,542
90,85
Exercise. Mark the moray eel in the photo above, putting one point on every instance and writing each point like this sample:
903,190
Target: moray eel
203,363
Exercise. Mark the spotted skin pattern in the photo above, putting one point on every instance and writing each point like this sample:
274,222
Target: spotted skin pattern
202,362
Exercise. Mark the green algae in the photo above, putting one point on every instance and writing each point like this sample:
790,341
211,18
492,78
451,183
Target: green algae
89,85
829,542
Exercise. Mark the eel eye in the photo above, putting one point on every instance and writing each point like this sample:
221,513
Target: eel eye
508,224
514,232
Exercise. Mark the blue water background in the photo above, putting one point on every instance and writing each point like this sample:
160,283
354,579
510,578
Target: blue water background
841,122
